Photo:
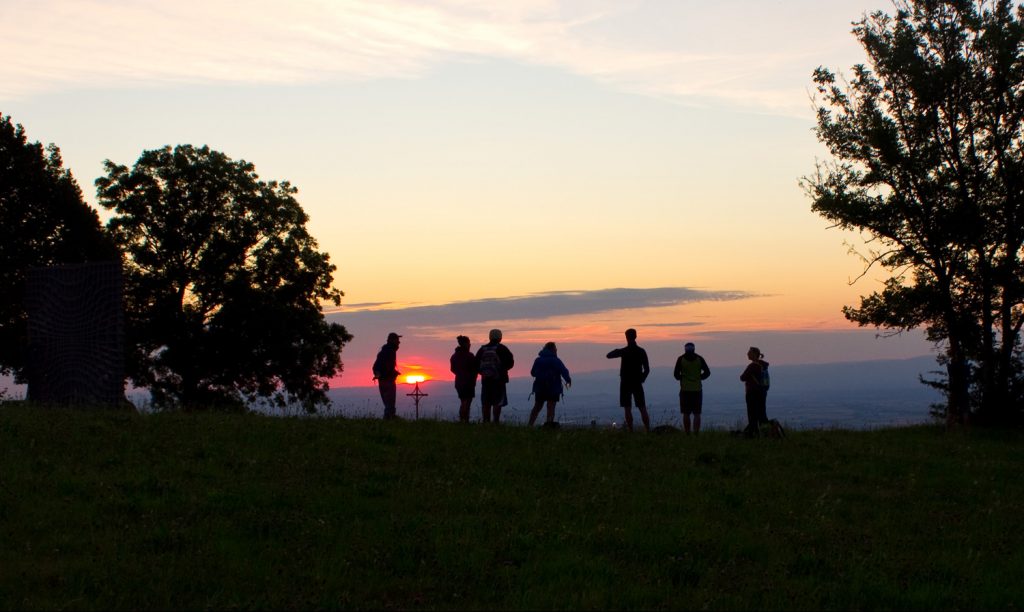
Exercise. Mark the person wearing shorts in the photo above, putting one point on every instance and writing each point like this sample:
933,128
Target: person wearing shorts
633,372
690,371
494,360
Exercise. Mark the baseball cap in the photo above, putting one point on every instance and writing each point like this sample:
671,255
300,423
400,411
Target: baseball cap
393,336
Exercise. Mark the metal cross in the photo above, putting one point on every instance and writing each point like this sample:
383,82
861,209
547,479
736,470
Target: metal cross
417,395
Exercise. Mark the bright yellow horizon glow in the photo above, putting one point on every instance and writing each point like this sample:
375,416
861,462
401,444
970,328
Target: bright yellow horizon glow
415,378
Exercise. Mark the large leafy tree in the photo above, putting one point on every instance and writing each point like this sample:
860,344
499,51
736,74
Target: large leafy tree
927,161
43,221
224,284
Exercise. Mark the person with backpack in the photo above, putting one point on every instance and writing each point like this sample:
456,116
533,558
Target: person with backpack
464,366
494,360
755,380
385,373
633,371
690,370
548,372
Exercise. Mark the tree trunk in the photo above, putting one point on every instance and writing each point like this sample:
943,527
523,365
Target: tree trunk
1002,408
957,397
987,360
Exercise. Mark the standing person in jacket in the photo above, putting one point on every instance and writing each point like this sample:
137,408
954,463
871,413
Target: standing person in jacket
633,372
753,380
765,381
548,372
494,360
690,370
464,366
385,373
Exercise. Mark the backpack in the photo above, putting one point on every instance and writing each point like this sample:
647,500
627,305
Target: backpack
772,429
766,380
490,363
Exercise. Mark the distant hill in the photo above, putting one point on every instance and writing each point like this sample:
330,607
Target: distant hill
852,395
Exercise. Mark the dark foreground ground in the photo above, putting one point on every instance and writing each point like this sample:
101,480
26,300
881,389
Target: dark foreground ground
111,510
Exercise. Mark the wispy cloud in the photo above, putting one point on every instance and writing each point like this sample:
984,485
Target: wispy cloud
675,324
54,45
531,308
365,305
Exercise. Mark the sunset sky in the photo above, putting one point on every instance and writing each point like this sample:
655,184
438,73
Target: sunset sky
561,170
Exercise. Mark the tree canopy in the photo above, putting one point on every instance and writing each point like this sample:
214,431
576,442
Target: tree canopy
223,282
43,221
927,161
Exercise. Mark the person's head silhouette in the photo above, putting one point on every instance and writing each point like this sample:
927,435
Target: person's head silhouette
631,335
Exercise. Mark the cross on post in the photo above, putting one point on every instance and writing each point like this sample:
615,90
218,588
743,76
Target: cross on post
417,395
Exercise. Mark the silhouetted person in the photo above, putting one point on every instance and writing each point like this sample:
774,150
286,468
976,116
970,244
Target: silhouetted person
385,373
633,372
548,372
464,366
690,370
494,360
756,393
765,380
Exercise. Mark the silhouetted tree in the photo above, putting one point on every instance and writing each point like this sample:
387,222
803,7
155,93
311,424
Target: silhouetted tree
43,221
223,283
926,141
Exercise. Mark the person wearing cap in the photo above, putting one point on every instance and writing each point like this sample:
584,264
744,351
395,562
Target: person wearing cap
633,372
385,373
494,360
690,370
464,367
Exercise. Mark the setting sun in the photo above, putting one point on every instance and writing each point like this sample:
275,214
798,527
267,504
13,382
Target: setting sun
412,379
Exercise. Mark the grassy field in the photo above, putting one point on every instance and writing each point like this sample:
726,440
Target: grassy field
116,510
